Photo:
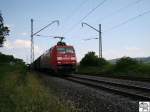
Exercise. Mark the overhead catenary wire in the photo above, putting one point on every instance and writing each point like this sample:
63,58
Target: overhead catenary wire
45,35
68,18
75,10
127,21
119,10
84,17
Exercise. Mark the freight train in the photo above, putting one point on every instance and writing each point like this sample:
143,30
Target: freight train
59,58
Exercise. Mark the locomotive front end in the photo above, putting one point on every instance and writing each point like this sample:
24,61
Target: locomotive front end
66,58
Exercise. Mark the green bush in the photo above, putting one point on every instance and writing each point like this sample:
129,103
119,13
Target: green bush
92,64
126,64
95,70
102,62
143,70
5,58
90,59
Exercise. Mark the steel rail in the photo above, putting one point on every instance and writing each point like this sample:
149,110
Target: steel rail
134,92
115,83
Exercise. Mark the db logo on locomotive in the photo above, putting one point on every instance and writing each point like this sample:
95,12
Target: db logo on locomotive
144,106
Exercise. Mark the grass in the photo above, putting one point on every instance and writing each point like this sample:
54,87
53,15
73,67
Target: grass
21,91
96,69
140,71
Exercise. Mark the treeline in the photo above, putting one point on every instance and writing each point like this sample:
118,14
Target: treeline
125,66
9,63
9,59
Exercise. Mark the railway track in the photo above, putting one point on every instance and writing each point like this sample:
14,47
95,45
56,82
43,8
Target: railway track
135,92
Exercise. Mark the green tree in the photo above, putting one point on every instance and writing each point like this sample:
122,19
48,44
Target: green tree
102,62
90,59
4,31
126,63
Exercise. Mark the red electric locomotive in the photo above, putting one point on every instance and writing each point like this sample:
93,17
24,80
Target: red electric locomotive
60,57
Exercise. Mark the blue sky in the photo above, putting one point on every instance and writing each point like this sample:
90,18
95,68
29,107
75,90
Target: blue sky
130,39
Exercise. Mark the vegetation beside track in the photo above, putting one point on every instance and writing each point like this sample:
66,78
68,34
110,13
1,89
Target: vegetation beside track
22,91
125,67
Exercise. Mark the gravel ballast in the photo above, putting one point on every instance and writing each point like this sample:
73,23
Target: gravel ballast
87,99
119,81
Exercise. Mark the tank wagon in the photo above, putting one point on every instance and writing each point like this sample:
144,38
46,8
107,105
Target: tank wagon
59,58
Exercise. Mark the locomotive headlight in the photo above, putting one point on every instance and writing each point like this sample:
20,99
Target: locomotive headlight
73,62
59,58
59,62
73,58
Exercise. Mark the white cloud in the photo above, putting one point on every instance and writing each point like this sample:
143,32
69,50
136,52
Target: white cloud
20,48
22,43
8,45
10,25
18,43
24,33
132,49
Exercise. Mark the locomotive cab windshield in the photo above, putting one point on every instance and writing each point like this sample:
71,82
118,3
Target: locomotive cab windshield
65,50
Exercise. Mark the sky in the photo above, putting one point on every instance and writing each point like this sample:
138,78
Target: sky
124,23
